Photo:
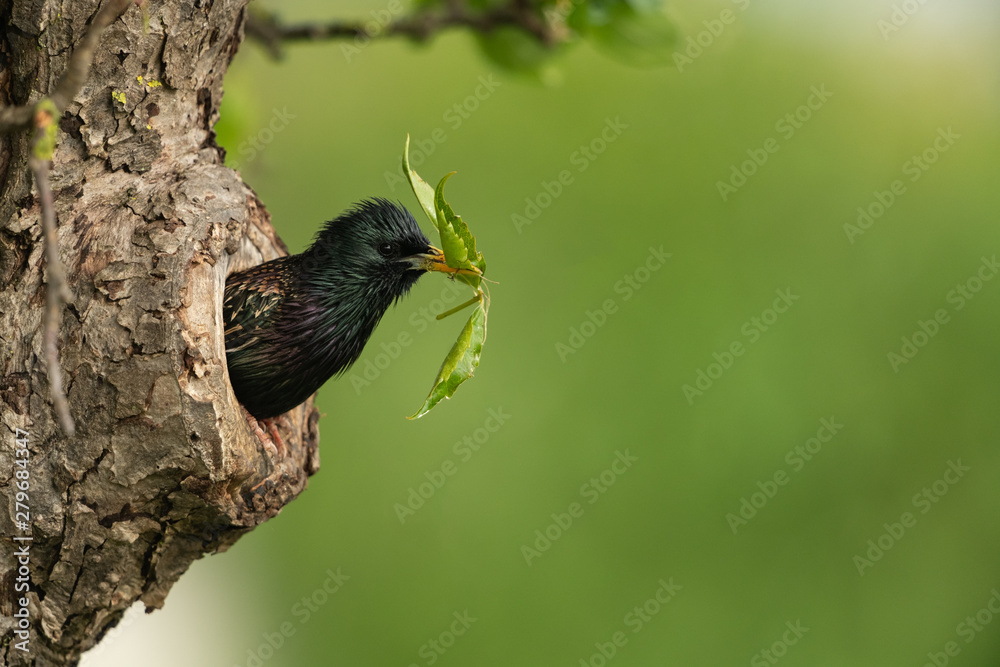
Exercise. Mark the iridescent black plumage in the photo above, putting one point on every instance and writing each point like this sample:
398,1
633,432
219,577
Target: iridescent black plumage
294,322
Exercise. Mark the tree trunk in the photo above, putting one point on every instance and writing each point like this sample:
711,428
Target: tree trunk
163,467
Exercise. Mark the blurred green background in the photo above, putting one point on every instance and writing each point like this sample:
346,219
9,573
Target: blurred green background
736,586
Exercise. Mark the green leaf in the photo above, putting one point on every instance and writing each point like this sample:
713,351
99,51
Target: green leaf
459,247
646,6
458,244
636,37
45,145
513,49
423,191
461,362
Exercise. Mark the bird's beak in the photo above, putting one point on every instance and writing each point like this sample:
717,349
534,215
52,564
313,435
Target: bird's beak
433,260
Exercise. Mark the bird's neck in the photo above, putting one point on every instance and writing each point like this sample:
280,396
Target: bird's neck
343,310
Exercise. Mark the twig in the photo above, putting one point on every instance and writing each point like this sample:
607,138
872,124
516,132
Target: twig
13,118
44,116
55,290
420,26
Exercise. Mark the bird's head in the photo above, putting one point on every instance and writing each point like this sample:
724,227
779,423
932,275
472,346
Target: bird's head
375,249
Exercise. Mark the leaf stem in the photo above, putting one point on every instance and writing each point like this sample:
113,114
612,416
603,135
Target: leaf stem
476,299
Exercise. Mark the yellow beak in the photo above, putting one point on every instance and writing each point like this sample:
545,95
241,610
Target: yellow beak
434,261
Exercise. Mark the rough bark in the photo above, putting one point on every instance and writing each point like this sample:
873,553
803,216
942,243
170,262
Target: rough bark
163,468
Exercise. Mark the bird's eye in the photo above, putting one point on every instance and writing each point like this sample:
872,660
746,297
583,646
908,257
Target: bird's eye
386,249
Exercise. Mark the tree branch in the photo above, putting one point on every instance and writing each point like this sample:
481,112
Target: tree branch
55,291
15,118
266,29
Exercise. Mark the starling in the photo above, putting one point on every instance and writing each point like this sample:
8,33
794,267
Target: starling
294,322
